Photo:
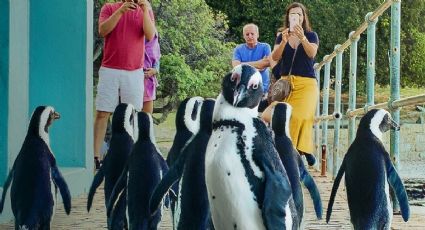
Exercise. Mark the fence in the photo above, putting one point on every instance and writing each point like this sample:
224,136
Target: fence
394,104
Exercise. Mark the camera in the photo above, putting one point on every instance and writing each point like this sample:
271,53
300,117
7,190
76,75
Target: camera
294,19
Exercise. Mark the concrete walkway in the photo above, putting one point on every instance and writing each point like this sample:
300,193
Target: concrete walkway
80,219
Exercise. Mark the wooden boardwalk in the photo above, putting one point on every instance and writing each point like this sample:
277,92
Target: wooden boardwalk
80,219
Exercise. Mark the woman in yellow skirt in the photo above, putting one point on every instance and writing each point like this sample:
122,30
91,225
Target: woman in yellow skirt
294,50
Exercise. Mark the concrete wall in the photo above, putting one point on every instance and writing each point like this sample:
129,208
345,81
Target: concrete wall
46,59
412,143
57,73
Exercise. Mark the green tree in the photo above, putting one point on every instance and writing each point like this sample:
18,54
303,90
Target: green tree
195,54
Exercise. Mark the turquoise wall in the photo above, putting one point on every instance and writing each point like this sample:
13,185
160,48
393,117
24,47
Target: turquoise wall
4,83
58,74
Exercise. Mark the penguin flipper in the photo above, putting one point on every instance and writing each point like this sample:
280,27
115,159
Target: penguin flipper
118,219
63,188
311,186
164,170
118,187
173,174
276,194
334,190
97,180
6,187
399,189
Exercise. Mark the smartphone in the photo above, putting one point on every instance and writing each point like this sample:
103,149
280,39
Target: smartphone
294,19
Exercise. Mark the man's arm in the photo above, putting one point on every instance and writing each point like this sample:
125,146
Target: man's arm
106,26
260,64
278,49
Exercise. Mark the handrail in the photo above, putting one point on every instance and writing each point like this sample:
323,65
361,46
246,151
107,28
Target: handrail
393,105
413,100
378,12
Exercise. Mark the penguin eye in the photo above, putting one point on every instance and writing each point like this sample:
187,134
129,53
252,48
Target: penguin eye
234,77
255,86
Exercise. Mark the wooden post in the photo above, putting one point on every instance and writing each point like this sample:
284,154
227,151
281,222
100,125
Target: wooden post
323,171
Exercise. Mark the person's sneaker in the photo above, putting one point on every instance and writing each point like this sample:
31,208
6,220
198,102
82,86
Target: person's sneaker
96,163
311,160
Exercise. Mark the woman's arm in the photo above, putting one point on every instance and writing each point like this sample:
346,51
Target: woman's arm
310,48
279,48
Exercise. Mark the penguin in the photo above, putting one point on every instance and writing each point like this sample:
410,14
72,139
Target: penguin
369,173
246,182
35,176
297,173
122,140
187,125
144,170
192,207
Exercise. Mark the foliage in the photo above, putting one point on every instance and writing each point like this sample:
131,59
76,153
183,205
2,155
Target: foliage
333,20
194,54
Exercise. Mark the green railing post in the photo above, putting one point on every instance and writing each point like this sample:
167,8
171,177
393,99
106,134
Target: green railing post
370,71
352,87
395,78
316,124
337,110
325,106
395,85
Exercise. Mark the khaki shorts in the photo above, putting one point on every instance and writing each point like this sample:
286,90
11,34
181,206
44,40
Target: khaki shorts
119,86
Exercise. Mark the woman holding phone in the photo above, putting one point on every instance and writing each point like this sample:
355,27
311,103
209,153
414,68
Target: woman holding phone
295,48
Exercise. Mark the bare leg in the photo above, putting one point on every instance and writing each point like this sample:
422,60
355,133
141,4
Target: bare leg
100,124
148,107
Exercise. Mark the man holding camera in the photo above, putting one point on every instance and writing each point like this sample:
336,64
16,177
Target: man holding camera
124,26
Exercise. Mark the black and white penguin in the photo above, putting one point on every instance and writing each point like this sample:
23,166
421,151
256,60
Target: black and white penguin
144,170
246,182
192,208
187,125
122,140
369,173
297,173
35,176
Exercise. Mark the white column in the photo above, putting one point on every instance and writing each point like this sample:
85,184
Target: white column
18,76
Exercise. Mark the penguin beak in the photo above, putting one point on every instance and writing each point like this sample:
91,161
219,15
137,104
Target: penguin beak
56,116
239,95
393,125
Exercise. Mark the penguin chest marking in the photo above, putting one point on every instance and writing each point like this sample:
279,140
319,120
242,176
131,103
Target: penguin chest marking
233,204
389,205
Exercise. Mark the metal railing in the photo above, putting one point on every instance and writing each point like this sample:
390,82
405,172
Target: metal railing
393,105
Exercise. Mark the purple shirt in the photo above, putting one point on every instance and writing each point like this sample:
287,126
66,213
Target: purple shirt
152,52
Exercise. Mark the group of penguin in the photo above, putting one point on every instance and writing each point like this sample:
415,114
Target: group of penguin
226,169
